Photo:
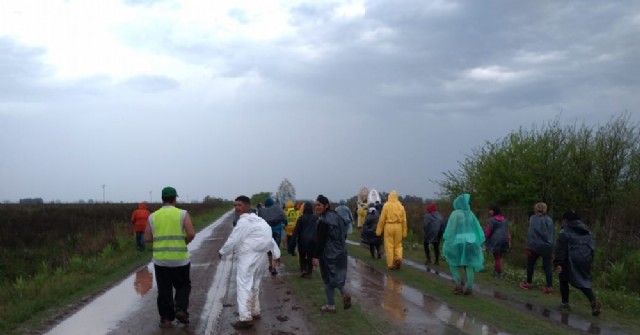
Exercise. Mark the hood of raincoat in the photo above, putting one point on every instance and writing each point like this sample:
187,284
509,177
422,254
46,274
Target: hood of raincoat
393,196
578,227
307,208
289,204
462,202
142,205
498,217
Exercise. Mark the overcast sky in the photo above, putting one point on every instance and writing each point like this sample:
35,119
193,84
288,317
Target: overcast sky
223,98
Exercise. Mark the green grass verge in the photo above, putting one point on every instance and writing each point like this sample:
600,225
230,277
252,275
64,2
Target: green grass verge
27,304
615,315
310,294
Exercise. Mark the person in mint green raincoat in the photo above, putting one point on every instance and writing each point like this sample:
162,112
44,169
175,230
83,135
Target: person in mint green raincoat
463,239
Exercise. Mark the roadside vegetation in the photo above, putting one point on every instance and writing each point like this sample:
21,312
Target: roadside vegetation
593,170
56,255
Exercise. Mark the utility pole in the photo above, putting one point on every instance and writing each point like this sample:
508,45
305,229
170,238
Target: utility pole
103,198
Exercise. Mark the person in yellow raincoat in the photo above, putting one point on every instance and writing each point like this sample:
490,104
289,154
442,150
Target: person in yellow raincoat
292,217
393,222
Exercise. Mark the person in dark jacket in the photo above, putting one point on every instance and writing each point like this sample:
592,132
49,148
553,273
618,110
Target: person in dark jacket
304,236
331,253
274,215
433,225
368,233
497,237
540,244
574,252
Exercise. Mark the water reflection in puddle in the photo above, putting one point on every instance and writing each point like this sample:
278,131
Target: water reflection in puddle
416,311
570,320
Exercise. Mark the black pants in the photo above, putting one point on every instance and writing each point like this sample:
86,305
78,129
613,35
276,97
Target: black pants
305,257
374,248
546,265
168,278
564,292
436,250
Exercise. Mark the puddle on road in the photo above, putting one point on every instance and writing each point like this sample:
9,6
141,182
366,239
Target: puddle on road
570,320
416,311
102,314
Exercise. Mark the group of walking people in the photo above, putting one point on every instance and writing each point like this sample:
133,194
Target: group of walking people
319,234
571,254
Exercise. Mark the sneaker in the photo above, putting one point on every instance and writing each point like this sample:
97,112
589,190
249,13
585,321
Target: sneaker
547,290
397,263
242,324
596,307
256,317
328,309
347,301
458,290
182,317
564,307
273,270
468,291
166,324
525,286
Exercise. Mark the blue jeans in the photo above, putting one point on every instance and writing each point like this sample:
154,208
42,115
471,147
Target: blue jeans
140,241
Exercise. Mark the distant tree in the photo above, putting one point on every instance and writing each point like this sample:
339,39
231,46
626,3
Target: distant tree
260,198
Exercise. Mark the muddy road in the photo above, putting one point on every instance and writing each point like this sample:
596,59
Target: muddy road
130,306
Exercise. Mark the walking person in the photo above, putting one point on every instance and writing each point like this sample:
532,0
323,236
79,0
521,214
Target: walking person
498,238
275,217
250,241
170,229
346,215
304,236
369,232
139,219
574,252
331,253
433,225
292,217
463,238
393,223
540,239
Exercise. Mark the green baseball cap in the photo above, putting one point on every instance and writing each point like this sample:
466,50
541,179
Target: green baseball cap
169,192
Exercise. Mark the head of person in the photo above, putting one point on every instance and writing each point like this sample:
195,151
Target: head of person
393,196
372,208
571,215
540,208
462,202
322,204
142,205
307,207
242,204
268,203
431,208
494,210
169,195
342,202
289,204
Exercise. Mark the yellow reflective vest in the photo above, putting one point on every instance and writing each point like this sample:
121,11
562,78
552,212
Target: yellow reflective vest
168,236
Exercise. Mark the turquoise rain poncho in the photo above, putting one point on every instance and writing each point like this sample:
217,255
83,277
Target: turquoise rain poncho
463,236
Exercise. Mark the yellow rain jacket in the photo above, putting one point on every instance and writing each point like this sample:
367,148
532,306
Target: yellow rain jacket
292,218
393,223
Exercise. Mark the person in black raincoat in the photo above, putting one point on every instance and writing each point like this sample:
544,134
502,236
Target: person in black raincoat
304,236
368,233
498,238
433,225
331,253
574,252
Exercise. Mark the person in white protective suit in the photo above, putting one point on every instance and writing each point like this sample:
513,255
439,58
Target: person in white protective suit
250,240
